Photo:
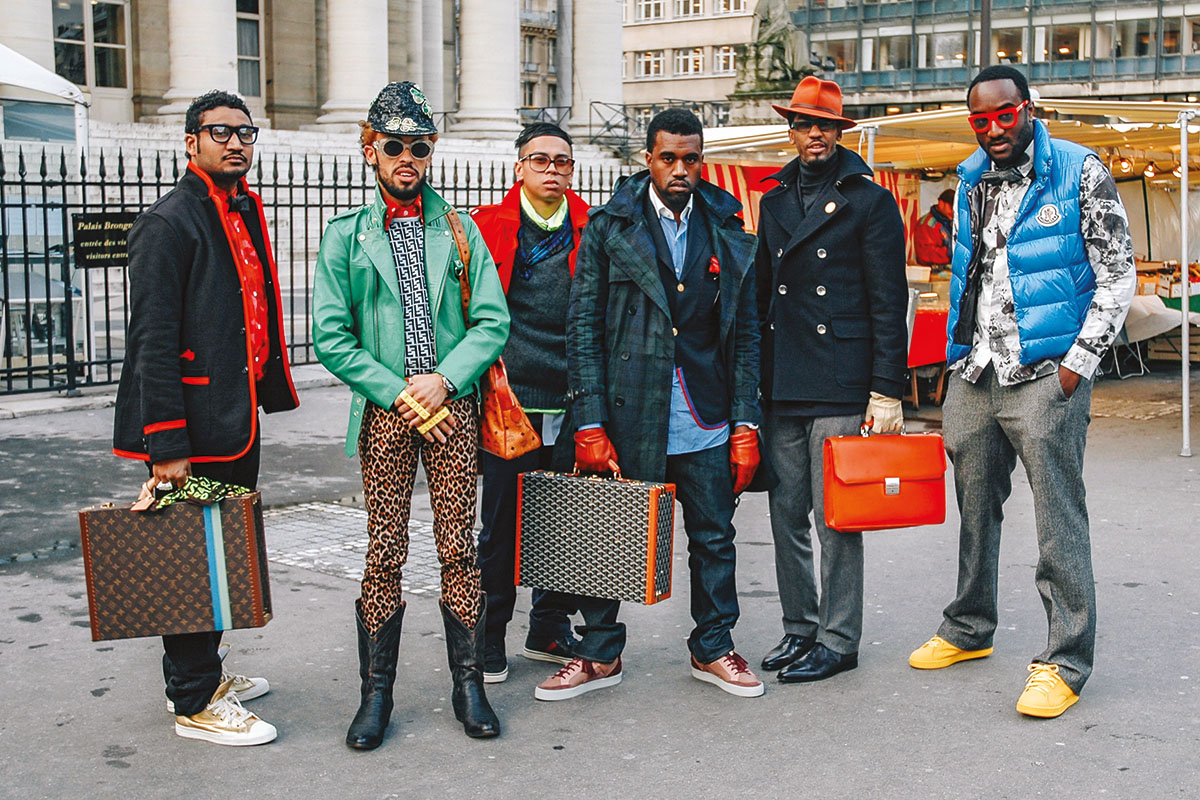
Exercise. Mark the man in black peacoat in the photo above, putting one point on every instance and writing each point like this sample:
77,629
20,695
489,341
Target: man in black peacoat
832,298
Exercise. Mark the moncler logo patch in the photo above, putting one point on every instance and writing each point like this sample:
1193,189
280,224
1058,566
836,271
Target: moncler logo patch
1048,215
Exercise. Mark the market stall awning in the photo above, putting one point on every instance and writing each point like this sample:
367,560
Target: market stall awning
936,141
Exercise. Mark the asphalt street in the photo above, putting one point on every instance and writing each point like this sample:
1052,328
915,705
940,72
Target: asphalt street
86,719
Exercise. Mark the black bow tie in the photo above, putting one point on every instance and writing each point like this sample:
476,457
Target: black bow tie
239,203
1010,175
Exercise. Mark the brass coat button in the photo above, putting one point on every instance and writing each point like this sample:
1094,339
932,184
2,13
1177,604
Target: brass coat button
679,288
820,291
821,252
783,288
830,207
821,329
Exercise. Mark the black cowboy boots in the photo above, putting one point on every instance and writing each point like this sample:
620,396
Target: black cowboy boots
464,648
377,657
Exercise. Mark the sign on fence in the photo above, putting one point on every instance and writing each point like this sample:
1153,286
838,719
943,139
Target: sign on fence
101,239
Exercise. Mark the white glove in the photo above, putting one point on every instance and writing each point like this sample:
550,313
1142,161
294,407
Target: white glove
886,412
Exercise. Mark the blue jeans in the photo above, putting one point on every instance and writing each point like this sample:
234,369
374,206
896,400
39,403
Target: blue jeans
704,487
548,618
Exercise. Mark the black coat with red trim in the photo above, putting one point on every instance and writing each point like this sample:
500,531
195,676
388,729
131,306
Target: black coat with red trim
187,387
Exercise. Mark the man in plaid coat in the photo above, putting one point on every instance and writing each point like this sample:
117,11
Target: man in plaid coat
662,365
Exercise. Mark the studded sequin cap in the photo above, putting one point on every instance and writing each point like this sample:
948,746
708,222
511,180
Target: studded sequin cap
401,109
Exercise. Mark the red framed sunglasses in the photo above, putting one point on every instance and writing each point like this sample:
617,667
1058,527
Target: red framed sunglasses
1004,117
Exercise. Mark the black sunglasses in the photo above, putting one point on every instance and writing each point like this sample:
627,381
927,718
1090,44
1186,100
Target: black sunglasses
393,148
247,134
806,123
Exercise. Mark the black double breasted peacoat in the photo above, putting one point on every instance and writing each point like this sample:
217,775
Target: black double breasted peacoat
832,294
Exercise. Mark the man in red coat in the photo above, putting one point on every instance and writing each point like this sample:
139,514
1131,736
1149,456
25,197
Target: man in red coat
931,239
533,236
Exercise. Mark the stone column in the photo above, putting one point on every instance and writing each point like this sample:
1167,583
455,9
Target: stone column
358,59
489,81
202,53
597,55
433,56
415,43
27,29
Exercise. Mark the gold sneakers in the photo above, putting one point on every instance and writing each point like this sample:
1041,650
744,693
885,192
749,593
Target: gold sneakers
1046,694
938,653
224,721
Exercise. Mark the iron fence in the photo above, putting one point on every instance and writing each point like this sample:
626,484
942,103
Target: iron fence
63,327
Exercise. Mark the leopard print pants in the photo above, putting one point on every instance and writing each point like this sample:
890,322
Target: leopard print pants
388,449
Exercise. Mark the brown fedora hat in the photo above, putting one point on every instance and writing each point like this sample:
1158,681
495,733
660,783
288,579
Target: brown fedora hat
816,98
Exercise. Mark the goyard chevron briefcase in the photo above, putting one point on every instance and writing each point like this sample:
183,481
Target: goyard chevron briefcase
181,569
601,537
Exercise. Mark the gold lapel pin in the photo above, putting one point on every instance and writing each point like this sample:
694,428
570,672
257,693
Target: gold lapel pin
830,206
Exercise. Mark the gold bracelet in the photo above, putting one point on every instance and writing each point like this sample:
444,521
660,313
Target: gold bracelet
426,427
422,412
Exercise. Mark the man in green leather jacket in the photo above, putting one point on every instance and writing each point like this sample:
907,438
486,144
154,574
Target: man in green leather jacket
388,321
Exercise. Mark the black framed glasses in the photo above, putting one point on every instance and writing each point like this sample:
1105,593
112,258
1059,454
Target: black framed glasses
247,134
394,148
806,123
540,162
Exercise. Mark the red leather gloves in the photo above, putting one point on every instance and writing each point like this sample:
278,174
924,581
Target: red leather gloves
594,452
743,458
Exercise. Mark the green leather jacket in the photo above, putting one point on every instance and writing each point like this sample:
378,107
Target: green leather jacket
358,319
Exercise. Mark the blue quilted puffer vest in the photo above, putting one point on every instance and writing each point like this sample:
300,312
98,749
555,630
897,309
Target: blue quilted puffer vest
1051,277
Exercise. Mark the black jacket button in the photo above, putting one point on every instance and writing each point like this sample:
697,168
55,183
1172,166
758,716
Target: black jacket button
620,401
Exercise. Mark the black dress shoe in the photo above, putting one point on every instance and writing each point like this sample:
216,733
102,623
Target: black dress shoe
820,663
791,647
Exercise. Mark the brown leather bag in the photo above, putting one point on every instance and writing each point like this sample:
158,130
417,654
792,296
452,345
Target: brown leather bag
504,429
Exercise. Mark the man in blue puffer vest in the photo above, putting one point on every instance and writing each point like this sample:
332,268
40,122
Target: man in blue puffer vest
1042,280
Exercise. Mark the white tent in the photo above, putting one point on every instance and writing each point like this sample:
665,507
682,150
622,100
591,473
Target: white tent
1129,135
23,78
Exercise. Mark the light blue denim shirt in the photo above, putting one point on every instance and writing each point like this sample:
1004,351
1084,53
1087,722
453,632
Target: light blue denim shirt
685,432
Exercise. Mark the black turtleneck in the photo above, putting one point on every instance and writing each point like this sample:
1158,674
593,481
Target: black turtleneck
815,177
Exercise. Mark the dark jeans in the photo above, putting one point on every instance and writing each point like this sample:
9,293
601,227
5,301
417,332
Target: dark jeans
191,666
548,617
704,487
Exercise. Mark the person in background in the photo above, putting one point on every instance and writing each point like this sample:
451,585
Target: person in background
931,240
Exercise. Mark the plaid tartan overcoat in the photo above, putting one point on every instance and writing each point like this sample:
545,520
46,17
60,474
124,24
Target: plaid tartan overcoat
620,347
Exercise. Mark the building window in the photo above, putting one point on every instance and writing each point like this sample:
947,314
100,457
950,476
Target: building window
949,49
838,54
552,94
689,62
725,59
552,51
730,6
895,52
1067,43
249,48
689,8
90,48
1171,31
1007,46
642,117
649,9
528,90
649,64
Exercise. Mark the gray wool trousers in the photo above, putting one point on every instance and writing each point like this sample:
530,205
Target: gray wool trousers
834,617
987,427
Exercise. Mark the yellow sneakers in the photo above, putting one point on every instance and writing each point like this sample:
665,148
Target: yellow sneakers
938,653
1046,694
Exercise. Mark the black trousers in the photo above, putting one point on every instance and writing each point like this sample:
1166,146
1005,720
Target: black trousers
550,611
191,666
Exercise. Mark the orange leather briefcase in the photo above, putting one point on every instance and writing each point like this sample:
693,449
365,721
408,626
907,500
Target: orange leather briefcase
891,481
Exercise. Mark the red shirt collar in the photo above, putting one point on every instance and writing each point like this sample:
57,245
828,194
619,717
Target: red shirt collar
394,209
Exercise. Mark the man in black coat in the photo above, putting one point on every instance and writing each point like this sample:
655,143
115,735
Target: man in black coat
832,298
662,368
205,350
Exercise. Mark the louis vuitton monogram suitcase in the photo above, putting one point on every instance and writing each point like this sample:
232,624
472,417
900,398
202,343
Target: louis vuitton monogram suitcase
602,537
182,569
